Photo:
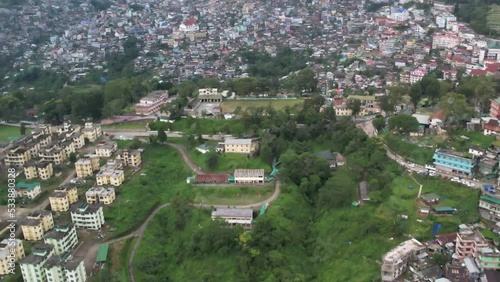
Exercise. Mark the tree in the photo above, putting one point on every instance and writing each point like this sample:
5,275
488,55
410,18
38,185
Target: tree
162,136
379,123
433,90
72,157
455,108
212,160
416,94
153,139
22,129
354,105
386,105
403,123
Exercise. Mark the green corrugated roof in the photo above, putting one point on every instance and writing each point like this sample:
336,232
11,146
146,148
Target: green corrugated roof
102,253
491,199
27,186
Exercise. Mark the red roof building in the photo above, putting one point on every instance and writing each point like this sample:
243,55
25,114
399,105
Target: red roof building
212,178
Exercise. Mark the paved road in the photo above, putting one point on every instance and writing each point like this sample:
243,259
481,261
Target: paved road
367,125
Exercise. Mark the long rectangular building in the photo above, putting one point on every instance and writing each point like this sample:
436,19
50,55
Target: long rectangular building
452,162
249,176
242,217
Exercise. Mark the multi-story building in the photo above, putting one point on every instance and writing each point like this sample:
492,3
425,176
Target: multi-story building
399,14
112,177
42,170
454,163
77,138
495,108
32,229
32,266
63,237
17,156
445,40
129,157
92,131
488,258
469,242
102,195
417,75
65,268
106,150
29,190
395,262
63,197
87,216
233,216
53,154
489,207
86,167
45,217
248,176
152,103
11,251
243,146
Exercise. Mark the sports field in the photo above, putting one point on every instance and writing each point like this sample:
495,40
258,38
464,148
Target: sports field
9,133
230,106
494,17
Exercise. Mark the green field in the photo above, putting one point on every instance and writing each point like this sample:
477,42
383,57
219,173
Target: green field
9,133
228,162
84,88
116,268
230,106
411,152
232,195
493,19
208,126
127,125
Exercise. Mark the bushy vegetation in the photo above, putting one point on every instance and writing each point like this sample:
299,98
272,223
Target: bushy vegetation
412,152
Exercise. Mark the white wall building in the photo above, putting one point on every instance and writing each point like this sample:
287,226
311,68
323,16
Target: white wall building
65,268
63,237
32,266
399,14
445,40
249,176
242,217
87,216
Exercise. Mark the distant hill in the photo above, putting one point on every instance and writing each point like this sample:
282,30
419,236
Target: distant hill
483,16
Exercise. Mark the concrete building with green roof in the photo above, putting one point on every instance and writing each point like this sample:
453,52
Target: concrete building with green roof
489,207
29,190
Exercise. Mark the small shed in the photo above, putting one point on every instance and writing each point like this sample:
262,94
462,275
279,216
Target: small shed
102,253
424,210
203,148
430,198
444,210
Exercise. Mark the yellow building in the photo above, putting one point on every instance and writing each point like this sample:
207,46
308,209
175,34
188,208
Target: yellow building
242,146
42,170
342,110
129,157
63,197
45,217
17,156
92,131
107,149
29,190
53,154
68,147
100,195
86,166
11,251
111,177
78,140
32,229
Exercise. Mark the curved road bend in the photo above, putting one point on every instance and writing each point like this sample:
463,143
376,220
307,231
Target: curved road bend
140,231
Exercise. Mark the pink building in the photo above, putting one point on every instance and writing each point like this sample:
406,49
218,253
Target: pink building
152,103
445,40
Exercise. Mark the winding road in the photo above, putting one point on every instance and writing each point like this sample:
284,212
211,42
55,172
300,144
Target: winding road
140,231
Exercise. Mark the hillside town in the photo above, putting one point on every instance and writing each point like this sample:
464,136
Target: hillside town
400,63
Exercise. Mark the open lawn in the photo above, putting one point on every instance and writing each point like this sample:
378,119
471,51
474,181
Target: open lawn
164,177
228,162
230,106
403,200
10,133
208,126
139,124
232,195
474,138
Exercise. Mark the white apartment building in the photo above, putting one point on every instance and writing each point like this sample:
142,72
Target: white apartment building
65,268
242,217
63,237
417,75
32,265
395,262
445,40
399,14
87,216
